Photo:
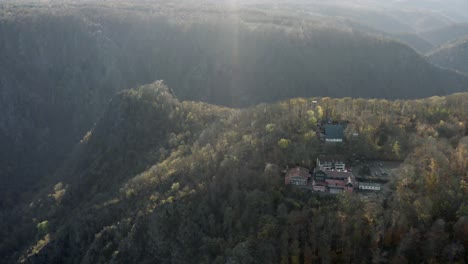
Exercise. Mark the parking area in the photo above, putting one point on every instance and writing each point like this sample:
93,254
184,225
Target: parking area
376,171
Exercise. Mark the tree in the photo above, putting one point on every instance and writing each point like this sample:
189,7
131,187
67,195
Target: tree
319,111
284,143
43,228
396,149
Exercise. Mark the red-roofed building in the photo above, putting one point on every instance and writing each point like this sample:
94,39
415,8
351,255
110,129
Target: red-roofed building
319,186
334,181
298,176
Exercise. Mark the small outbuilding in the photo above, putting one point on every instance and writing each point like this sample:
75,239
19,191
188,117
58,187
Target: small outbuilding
334,133
369,186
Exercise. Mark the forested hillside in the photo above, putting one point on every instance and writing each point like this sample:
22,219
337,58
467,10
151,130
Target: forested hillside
60,64
453,55
101,164
446,34
412,16
165,181
415,41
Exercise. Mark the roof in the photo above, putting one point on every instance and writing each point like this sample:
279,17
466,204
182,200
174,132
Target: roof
370,184
331,158
298,171
334,131
351,180
339,174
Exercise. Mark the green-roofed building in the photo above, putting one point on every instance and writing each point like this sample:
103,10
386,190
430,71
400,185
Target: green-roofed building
334,133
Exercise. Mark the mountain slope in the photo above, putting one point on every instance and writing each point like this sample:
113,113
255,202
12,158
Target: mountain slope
198,191
452,56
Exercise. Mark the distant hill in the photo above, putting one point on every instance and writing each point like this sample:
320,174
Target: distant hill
442,10
446,34
430,41
413,16
453,56
415,41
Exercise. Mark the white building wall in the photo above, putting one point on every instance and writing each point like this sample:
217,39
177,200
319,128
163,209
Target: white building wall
371,188
339,166
334,140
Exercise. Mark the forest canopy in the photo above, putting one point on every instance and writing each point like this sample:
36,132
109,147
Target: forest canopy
207,188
